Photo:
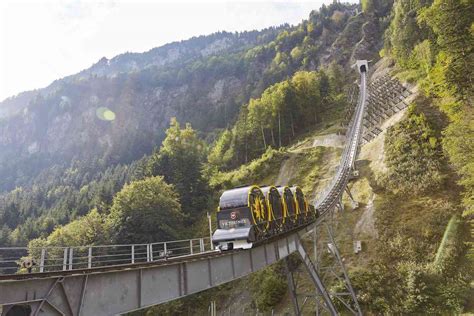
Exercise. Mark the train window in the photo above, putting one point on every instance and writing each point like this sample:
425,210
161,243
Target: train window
238,223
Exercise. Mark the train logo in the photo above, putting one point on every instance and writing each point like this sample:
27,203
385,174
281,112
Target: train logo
233,215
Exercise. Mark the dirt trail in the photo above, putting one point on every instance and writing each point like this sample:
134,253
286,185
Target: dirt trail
286,170
288,167
330,140
366,223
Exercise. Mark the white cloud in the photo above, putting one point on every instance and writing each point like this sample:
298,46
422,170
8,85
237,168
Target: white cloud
41,41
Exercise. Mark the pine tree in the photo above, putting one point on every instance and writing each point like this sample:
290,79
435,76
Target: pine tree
451,21
180,161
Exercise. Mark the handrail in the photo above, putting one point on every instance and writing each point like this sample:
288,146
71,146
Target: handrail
15,260
330,195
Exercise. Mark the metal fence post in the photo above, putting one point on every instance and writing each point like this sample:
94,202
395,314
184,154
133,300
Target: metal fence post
151,252
148,252
201,244
43,253
191,246
71,252
210,228
89,258
133,253
165,250
65,259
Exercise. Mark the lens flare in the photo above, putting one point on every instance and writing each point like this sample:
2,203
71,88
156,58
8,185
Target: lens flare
105,114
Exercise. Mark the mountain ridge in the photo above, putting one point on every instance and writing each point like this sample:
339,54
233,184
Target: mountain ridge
204,85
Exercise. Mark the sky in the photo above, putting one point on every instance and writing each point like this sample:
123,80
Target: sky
42,40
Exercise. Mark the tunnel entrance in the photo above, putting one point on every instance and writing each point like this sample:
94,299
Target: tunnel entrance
363,68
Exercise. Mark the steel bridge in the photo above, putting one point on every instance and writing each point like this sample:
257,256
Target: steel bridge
115,279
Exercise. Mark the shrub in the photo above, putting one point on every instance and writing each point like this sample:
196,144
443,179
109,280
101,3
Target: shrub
268,287
413,155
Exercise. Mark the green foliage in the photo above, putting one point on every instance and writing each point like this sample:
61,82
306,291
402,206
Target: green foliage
59,195
459,144
283,112
222,151
86,230
254,172
434,40
404,32
450,247
408,288
307,168
419,267
411,228
451,21
368,6
268,287
414,272
78,168
5,233
180,161
413,155
146,211
379,8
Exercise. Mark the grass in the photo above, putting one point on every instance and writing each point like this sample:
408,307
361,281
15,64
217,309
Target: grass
469,307
449,237
307,168
263,170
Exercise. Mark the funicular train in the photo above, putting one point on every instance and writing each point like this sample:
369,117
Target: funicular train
250,214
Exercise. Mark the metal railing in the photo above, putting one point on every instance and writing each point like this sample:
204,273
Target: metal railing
14,260
329,197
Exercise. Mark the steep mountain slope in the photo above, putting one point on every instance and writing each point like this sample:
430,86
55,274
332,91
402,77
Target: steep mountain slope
412,258
409,216
169,54
66,157
186,80
202,81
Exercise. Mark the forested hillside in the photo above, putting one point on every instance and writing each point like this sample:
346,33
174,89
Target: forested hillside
424,197
61,156
432,44
188,120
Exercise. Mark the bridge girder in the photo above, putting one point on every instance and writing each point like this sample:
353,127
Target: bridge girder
124,290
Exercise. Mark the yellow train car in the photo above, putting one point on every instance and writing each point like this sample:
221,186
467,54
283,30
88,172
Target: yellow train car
249,214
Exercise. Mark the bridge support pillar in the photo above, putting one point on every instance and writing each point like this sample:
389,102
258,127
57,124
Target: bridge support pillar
355,204
340,205
325,269
318,283
292,287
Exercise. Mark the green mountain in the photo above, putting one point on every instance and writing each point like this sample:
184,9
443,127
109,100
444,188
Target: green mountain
59,159
79,158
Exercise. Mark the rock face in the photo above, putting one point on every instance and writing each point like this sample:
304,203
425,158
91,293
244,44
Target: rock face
370,43
66,125
143,91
